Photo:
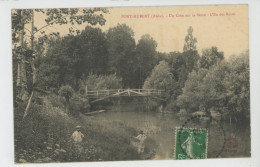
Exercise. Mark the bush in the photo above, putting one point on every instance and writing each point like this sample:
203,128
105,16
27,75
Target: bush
79,103
66,91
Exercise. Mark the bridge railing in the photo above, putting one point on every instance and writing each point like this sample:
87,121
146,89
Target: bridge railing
124,92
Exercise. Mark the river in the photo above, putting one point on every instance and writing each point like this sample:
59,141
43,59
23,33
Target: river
160,127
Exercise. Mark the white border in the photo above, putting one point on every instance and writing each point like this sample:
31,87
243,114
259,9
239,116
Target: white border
6,119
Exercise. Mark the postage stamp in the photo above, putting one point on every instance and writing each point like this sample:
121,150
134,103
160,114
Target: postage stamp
191,143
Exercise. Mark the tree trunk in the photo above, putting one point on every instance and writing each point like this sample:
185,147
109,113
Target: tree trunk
33,71
28,105
21,81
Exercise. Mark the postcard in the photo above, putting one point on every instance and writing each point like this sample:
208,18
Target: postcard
131,83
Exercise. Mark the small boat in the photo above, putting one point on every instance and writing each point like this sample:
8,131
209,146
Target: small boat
94,112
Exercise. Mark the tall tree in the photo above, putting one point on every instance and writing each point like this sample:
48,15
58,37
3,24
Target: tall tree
190,41
93,51
121,56
146,57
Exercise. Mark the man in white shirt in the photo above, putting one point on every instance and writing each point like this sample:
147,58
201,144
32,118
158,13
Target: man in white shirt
141,138
77,138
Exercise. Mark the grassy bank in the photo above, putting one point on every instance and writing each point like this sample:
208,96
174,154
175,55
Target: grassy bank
44,136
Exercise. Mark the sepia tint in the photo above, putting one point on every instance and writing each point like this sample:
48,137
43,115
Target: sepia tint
131,83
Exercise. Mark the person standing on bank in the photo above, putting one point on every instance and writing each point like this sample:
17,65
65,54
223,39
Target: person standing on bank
77,138
141,138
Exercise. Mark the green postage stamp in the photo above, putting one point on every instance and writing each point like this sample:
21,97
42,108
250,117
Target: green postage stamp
191,143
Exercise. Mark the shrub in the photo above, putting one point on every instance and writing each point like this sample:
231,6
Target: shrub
79,103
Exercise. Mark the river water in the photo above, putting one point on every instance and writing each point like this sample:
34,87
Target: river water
158,126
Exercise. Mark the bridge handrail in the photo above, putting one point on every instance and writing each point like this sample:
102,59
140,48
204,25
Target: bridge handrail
123,90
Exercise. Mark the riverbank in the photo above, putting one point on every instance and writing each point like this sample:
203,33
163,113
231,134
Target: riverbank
45,137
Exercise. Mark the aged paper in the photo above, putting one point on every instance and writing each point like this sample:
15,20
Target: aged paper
131,83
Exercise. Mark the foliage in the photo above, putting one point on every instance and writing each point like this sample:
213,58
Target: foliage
161,78
66,91
238,84
93,52
45,137
190,41
79,104
60,16
223,88
52,16
210,57
95,82
146,57
121,57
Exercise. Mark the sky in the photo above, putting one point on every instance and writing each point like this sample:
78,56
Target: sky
228,32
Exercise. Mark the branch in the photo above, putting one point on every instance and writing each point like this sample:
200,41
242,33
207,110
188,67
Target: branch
48,24
28,35
28,30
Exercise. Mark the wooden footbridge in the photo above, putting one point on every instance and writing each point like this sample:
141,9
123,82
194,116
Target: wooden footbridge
99,95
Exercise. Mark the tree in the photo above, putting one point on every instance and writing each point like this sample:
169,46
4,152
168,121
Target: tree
237,82
72,58
190,56
210,57
146,57
66,92
58,68
93,52
121,56
223,88
191,96
161,78
53,16
190,41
